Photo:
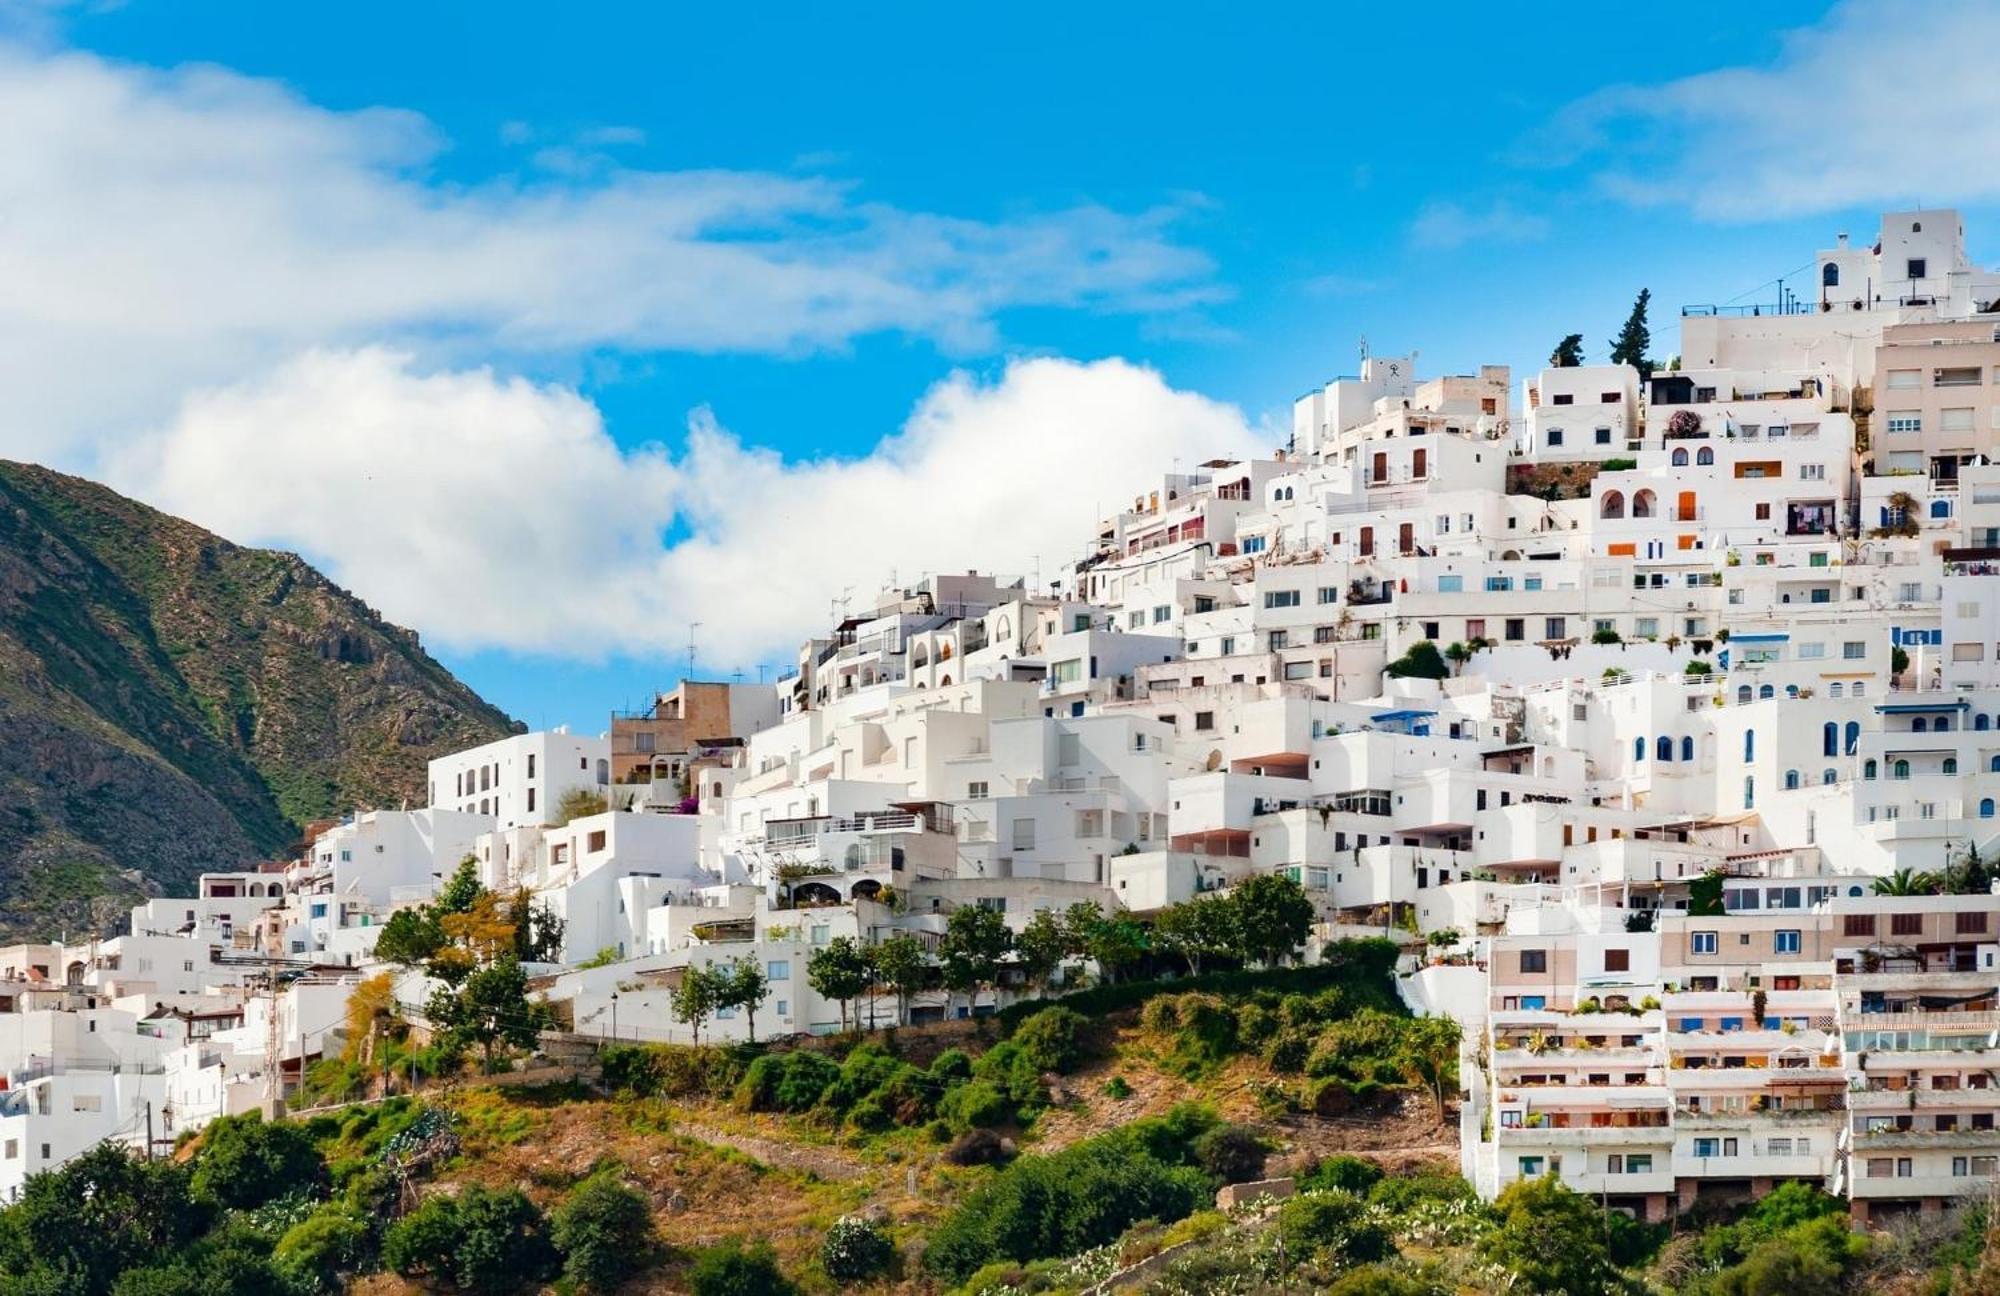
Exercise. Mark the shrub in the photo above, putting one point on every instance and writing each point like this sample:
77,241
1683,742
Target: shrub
1333,1220
671,1070
245,1163
1378,1280
603,1230
790,1082
952,1065
854,1249
1162,1014
1117,1088
732,1269
484,1241
1347,1173
1405,1193
1083,1196
977,1105
334,1240
1051,1040
1232,1153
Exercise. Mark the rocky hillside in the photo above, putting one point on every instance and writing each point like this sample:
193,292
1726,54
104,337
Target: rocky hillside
171,702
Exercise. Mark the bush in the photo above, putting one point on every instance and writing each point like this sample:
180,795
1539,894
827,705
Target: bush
245,1163
483,1241
733,1269
1347,1173
1405,1193
672,1070
1334,1221
603,1230
333,1241
1051,1040
977,1105
789,1082
854,1249
1232,1153
951,1066
1081,1197
1363,970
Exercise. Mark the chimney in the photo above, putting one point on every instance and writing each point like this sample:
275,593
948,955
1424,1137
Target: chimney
1841,240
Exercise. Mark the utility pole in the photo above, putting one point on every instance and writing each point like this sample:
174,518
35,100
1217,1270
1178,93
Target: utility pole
692,627
273,1091
149,1129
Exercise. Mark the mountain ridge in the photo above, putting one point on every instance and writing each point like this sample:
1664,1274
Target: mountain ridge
172,702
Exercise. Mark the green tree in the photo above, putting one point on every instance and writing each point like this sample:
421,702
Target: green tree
76,1228
1200,928
902,964
604,1230
733,1269
1568,353
697,996
1428,1055
410,937
838,970
459,892
975,940
1421,660
1273,917
1041,947
1907,882
1705,895
1636,338
746,986
855,1250
245,1162
483,1240
1550,1239
1458,654
491,1009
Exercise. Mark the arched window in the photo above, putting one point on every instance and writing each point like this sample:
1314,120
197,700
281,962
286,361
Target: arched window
1868,768
1663,748
1829,275
1680,456
1900,769
1003,629
1791,780
1829,739
1828,777
1951,764
944,651
1687,748
1993,766
1853,736
920,655
1918,725
1742,694
1791,690
1836,690
1639,751
1705,455
1749,745
1940,508
1854,891
1766,691
1645,504
1613,505
1982,722
1857,690
1986,807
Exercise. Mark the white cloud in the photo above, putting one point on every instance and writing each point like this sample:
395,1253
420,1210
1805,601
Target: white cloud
1881,104
164,231
496,513
1442,226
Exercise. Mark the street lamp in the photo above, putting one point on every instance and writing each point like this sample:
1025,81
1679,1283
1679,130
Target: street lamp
614,1014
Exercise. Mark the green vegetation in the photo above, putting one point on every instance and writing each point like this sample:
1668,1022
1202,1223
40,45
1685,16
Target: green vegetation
1635,338
1421,660
1568,353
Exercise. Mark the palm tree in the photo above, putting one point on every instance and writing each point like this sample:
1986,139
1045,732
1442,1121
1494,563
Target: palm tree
1459,654
1904,882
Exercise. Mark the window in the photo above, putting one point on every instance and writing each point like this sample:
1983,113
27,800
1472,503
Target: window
1857,925
1534,960
1555,436
1328,594
1281,598
1204,720
1617,960
596,842
778,970
1853,650
1970,924
1702,942
1916,267
976,791
1024,834
1905,423
1903,380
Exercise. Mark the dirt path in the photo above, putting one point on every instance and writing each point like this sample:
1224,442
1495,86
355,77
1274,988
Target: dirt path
821,1161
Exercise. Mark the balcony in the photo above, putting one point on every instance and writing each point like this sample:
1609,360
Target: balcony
1872,1187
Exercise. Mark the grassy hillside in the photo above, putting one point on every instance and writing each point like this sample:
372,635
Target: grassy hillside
1072,1152
171,702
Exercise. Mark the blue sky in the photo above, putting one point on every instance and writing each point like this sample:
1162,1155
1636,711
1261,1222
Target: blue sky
1226,200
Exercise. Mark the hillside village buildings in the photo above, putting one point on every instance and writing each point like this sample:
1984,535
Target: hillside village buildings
1724,646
